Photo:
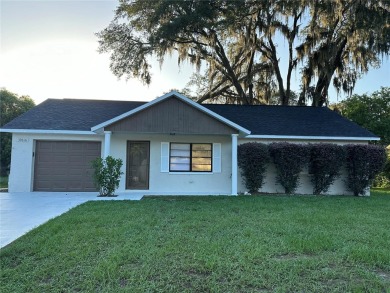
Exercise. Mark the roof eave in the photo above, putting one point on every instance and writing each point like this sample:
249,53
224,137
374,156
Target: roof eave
302,137
47,131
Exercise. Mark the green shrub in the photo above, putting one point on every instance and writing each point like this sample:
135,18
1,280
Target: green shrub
107,174
326,160
252,160
363,163
289,160
382,180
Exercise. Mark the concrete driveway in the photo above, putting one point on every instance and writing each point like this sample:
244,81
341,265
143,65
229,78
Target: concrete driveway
21,212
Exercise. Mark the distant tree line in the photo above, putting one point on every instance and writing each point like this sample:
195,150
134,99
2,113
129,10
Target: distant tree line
373,113
11,106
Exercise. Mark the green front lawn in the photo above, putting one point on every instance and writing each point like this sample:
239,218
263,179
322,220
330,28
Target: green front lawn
3,182
207,244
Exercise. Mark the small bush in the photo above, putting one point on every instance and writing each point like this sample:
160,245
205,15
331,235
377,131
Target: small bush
363,163
252,160
326,160
289,160
107,174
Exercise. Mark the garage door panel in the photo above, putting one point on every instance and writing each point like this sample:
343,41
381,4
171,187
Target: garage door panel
59,168
60,159
44,186
65,165
76,147
44,172
90,159
76,173
80,159
93,147
75,178
60,147
44,147
45,157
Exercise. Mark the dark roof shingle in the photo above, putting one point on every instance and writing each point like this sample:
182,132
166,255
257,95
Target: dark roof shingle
70,114
290,120
82,115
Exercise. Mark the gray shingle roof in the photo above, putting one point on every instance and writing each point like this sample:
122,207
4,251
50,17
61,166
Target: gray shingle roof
289,120
81,115
70,114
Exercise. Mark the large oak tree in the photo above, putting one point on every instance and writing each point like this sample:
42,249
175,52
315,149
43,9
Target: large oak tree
236,44
342,40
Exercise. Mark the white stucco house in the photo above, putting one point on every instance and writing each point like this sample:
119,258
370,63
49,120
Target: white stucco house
170,145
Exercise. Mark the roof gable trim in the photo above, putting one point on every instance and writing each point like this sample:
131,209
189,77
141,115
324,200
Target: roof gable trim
166,96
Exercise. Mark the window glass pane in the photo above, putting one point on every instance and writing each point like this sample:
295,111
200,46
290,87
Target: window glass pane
180,146
178,160
201,168
180,153
201,147
200,154
203,161
180,167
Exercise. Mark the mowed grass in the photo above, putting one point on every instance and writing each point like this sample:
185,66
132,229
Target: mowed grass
208,244
4,182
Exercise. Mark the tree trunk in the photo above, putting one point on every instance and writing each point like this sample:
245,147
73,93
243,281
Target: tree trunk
229,73
284,99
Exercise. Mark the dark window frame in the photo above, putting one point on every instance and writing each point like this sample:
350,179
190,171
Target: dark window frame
191,157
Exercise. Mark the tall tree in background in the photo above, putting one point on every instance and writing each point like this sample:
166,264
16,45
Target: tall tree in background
235,43
342,40
11,106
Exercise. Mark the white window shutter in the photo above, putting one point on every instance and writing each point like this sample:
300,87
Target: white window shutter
217,158
165,157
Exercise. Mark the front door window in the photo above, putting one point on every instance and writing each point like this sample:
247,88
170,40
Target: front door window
137,176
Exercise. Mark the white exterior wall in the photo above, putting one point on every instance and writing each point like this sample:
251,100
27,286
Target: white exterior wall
305,186
176,182
22,161
22,165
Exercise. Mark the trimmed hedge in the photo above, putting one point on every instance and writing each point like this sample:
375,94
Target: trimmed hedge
326,160
289,160
252,160
363,163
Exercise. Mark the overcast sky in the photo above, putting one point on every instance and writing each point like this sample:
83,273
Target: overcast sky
48,50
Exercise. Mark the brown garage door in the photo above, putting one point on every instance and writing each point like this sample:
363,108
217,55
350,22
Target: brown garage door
64,165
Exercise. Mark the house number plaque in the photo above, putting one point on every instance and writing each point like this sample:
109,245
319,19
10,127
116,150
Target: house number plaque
23,139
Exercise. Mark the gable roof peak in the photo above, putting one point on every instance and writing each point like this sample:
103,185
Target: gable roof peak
169,95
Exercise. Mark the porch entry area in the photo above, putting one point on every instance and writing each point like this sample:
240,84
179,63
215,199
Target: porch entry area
137,168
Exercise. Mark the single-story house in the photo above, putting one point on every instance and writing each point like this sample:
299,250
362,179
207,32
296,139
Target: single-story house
170,145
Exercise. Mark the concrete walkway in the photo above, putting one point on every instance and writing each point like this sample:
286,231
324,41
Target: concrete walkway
21,212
